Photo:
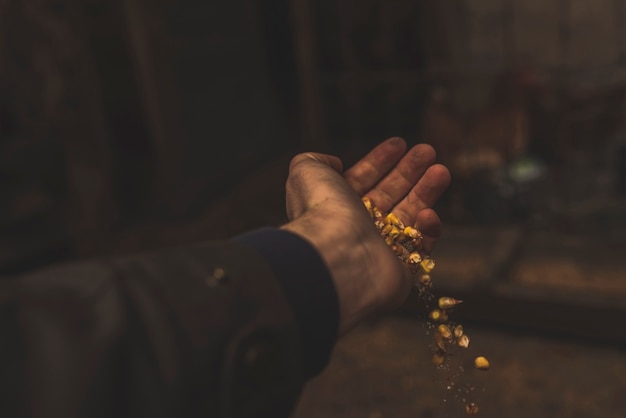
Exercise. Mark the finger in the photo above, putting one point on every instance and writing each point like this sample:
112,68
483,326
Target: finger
305,170
424,194
400,181
429,224
307,157
368,171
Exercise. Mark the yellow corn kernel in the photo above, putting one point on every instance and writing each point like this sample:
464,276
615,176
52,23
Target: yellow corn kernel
392,219
447,302
463,341
411,232
394,232
428,264
386,229
438,358
390,241
367,202
435,314
471,409
458,331
481,363
444,331
415,258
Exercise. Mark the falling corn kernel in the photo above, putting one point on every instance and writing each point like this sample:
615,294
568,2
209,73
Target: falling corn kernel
444,331
481,363
438,358
463,341
411,232
435,314
428,264
426,280
447,302
471,408
415,258
458,331
406,243
444,317
441,343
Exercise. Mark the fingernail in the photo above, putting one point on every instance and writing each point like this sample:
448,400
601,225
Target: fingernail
396,140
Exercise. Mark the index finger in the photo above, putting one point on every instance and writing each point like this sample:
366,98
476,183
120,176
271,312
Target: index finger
369,170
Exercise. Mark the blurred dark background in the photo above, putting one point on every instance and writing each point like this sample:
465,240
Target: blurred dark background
131,125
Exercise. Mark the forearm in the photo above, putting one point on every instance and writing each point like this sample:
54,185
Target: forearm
346,260
154,335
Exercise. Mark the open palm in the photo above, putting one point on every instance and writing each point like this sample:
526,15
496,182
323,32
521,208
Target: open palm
406,183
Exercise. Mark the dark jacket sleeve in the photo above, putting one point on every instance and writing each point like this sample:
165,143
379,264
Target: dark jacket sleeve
201,331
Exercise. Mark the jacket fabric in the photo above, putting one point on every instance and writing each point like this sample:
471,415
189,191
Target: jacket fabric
208,330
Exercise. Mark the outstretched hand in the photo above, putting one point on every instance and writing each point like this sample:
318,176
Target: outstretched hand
324,207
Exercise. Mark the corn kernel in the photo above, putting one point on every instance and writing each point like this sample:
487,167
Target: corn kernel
411,232
415,258
394,232
481,363
447,302
440,342
428,264
438,358
426,280
471,408
463,341
392,219
458,331
367,202
444,331
435,314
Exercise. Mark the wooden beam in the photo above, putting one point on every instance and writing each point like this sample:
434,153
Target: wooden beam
312,117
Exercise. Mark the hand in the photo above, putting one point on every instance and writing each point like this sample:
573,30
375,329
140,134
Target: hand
325,208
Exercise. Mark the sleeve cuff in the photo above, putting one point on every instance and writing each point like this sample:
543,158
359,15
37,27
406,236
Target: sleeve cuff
308,286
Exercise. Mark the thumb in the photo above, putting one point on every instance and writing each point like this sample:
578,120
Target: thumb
309,157
307,172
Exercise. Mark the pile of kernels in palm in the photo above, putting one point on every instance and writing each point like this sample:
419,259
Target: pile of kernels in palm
406,243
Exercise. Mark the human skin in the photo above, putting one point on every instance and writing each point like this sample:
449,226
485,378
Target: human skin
324,207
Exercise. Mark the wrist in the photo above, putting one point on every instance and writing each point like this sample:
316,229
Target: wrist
347,252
